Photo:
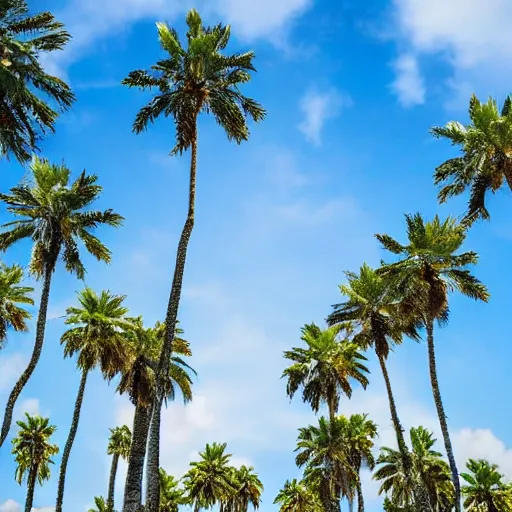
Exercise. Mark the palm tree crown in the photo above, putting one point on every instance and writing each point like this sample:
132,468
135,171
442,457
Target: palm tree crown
486,161
171,496
119,441
24,116
298,497
325,368
11,296
199,78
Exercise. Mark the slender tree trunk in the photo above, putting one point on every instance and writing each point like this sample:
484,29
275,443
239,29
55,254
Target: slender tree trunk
133,485
440,412
31,485
422,502
112,482
69,442
333,410
360,498
36,353
153,495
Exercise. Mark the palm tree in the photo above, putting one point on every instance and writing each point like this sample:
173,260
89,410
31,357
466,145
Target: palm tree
374,308
33,452
12,315
325,368
171,496
428,270
298,497
24,116
322,450
98,339
248,491
101,505
359,436
485,490
139,382
118,446
52,212
190,81
210,480
430,470
486,161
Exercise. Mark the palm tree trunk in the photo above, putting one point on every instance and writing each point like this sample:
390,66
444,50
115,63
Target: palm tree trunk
69,442
133,485
112,482
153,495
360,498
422,501
31,485
36,353
440,412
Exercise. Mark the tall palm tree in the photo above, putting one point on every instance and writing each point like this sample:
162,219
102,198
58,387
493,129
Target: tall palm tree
12,296
54,214
298,497
138,380
359,436
374,308
428,269
248,491
190,81
171,496
101,505
24,116
118,446
325,368
485,490
322,451
97,336
486,161
210,481
33,452
430,470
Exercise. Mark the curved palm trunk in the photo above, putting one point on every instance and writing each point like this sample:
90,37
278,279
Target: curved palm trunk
112,482
31,485
69,442
133,486
360,498
153,492
36,354
422,502
440,412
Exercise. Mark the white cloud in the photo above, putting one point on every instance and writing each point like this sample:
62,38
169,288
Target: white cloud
408,85
472,35
94,20
317,107
10,506
29,405
10,368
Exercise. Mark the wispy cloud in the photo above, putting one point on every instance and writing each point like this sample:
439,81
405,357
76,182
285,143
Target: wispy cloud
408,85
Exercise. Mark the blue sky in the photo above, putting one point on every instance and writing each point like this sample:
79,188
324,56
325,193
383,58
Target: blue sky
351,92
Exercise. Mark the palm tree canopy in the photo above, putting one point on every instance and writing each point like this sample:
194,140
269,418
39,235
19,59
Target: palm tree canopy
120,441
249,489
298,497
373,306
52,212
171,496
101,505
325,368
484,487
138,378
98,337
210,480
195,79
32,447
431,265
24,116
486,161
359,436
429,469
12,316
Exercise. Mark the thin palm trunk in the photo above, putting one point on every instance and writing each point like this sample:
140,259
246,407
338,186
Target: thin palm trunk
31,485
153,495
133,485
36,354
422,501
360,498
112,482
69,442
441,414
